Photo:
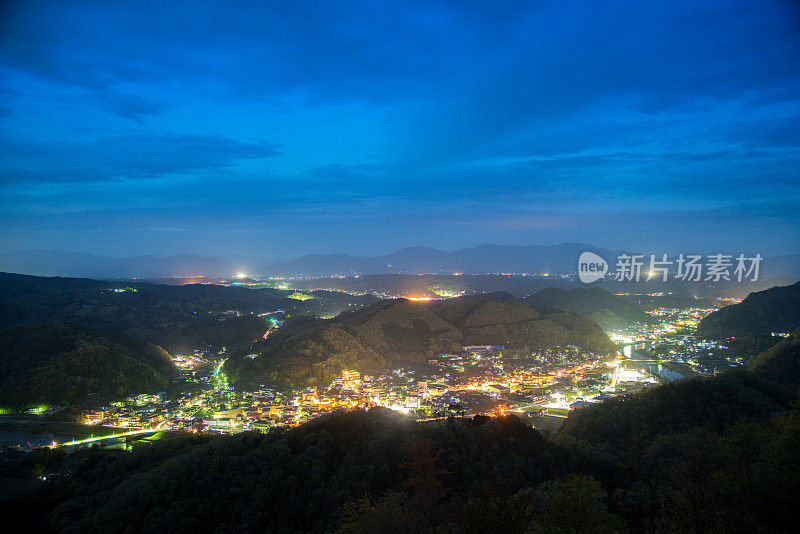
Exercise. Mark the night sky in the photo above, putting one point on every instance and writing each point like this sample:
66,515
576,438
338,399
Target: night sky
296,127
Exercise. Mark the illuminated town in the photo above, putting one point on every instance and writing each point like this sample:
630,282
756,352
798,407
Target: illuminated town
543,386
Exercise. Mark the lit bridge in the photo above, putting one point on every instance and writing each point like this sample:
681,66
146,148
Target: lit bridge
111,440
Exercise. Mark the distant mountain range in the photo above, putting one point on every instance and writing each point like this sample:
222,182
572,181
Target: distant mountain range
80,265
412,260
533,259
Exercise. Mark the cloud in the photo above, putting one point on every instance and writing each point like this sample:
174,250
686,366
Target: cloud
323,51
775,132
115,158
131,106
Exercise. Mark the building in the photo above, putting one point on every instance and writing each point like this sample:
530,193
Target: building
229,414
94,418
483,350
223,423
497,388
351,379
350,376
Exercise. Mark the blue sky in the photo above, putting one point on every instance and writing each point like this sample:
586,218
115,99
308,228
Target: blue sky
278,129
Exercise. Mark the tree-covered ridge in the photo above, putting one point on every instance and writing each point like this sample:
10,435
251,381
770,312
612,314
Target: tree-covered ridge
219,332
152,312
58,363
761,313
679,406
401,332
780,363
769,385
593,303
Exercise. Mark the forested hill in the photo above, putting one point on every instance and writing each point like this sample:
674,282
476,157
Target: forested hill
152,312
714,403
58,363
232,332
761,313
593,303
402,332
780,363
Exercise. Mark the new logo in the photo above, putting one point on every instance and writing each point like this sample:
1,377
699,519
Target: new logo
591,267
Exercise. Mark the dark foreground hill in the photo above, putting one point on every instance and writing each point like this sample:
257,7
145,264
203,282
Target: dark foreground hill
152,312
402,332
598,305
761,313
57,363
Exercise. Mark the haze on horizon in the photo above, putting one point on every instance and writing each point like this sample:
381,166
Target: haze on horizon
277,130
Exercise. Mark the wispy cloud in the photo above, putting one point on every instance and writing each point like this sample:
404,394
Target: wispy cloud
116,158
